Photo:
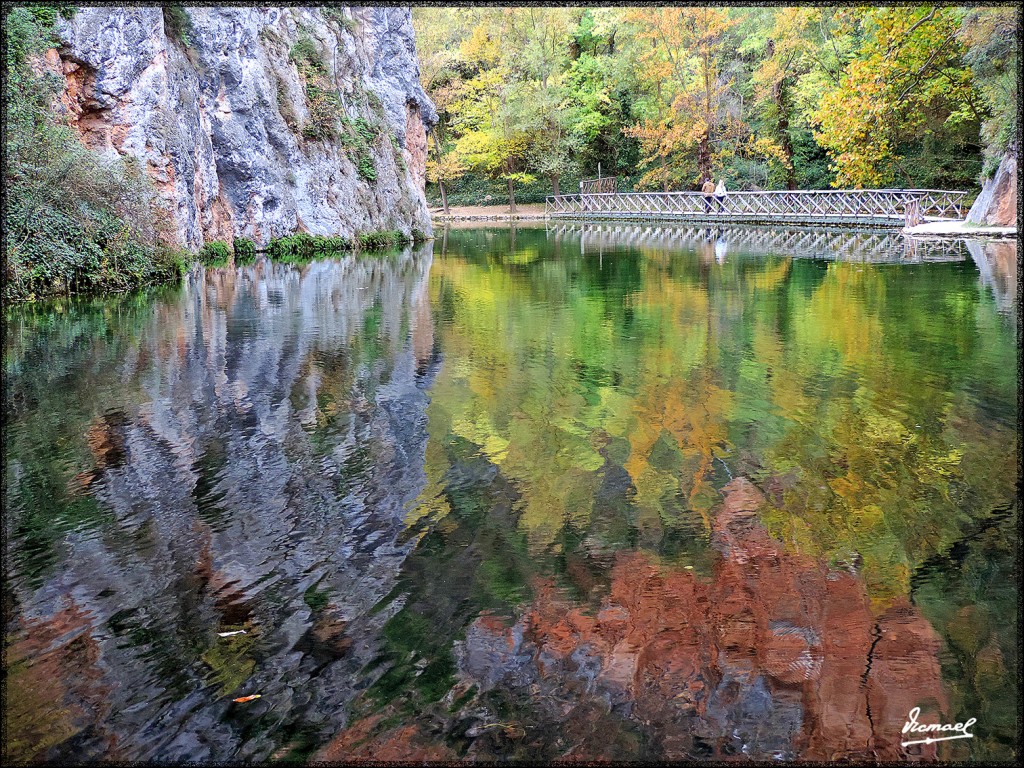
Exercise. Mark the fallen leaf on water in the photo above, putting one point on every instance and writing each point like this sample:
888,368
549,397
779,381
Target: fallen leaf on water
243,699
229,634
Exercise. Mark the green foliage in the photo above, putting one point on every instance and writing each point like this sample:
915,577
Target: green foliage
178,24
245,250
380,240
316,599
366,167
419,236
73,220
798,97
347,23
302,247
991,37
46,15
324,111
326,118
215,254
474,189
365,132
307,56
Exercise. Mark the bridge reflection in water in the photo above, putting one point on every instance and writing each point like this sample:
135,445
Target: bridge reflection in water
831,244
996,260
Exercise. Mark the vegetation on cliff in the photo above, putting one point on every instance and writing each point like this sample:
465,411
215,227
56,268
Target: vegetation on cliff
74,220
78,220
769,97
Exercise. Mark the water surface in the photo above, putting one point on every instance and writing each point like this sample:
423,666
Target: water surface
592,491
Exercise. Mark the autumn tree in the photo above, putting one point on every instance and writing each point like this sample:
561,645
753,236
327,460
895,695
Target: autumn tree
444,167
908,78
540,41
682,53
792,97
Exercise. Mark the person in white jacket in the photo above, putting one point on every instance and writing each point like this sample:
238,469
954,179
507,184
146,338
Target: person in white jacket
720,194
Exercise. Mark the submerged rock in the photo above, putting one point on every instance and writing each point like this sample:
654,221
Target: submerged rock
256,122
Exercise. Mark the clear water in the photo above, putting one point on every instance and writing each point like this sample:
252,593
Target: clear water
597,492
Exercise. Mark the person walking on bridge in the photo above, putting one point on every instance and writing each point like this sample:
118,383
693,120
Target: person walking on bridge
720,195
708,190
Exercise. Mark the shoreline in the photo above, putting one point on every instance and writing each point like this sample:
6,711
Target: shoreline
942,230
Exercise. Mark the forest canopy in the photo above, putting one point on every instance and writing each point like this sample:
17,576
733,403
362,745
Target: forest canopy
765,97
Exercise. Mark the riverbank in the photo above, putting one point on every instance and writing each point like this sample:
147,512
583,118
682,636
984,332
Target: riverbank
527,212
958,229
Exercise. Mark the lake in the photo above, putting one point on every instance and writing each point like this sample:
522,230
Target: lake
586,491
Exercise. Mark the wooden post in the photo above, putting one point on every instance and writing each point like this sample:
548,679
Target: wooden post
912,214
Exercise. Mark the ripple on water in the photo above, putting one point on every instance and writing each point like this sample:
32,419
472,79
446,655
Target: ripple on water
596,493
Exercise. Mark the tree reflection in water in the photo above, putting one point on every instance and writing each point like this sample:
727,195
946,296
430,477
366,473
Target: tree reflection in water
546,494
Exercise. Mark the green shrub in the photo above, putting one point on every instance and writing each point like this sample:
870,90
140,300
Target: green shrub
324,110
385,238
357,136
419,236
215,253
46,15
174,261
73,220
364,130
302,246
307,57
178,24
245,250
322,102
366,167
338,15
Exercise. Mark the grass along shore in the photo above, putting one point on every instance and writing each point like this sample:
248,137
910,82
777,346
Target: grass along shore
167,265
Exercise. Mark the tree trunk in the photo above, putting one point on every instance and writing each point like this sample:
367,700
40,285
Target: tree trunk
440,184
664,174
511,198
554,185
704,157
784,140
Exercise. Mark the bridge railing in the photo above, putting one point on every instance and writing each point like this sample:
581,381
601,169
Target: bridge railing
803,205
605,184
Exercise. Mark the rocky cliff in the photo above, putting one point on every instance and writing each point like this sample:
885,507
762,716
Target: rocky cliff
256,122
996,206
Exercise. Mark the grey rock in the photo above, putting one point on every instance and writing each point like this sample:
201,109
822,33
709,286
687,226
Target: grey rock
217,122
996,206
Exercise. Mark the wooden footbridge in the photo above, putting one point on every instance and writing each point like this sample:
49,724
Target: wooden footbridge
876,207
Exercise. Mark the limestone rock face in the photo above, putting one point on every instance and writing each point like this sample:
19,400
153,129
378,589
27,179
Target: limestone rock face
996,206
257,122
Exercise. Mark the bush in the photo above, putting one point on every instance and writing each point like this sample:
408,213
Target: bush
366,168
324,110
385,238
473,189
178,24
73,219
301,246
215,253
307,57
245,250
338,15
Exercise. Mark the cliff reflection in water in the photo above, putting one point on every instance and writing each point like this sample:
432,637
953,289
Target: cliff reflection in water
547,493
251,443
